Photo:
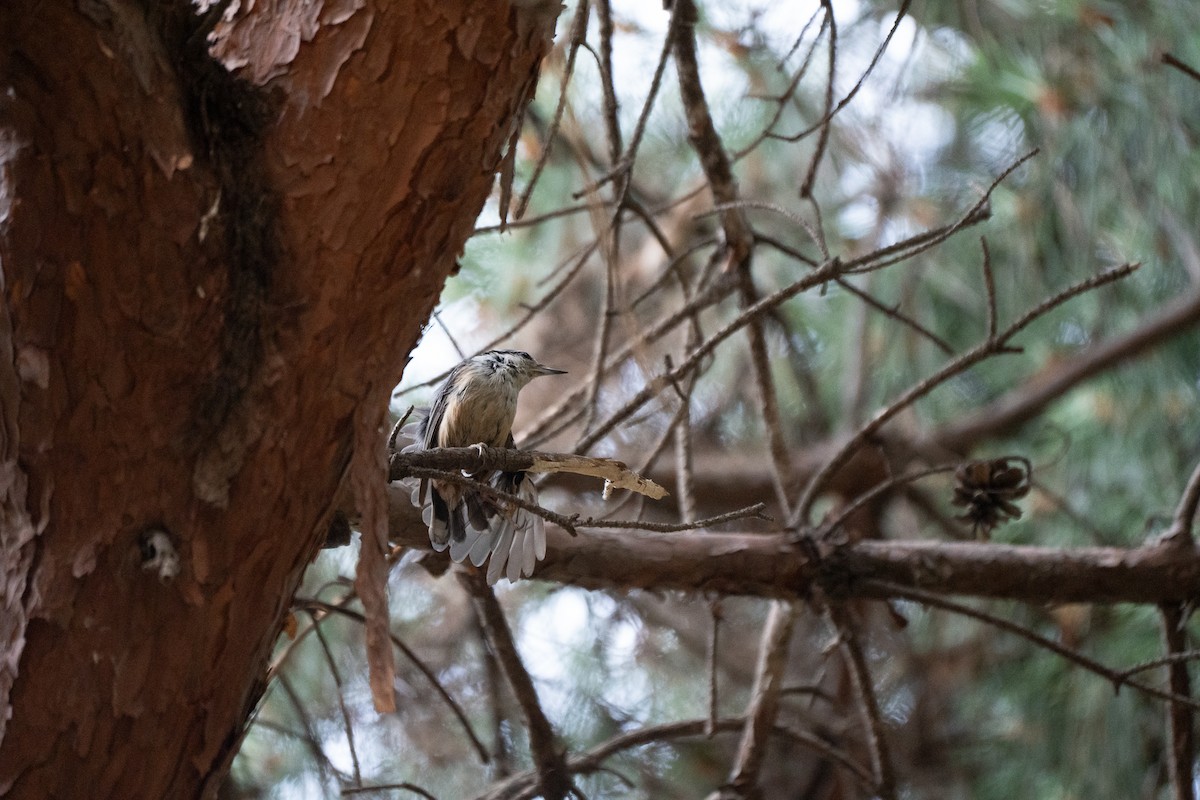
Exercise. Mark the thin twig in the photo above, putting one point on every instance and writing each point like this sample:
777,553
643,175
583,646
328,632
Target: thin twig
890,311
612,126
324,765
711,296
717,291
810,176
819,276
341,696
783,99
437,317
831,527
989,283
623,165
574,40
974,214
845,101
1025,402
1116,677
760,366
1155,663
756,511
530,222
763,707
391,440
1180,531
580,258
1186,69
683,458
312,604
386,787
714,633
868,703
982,351
310,738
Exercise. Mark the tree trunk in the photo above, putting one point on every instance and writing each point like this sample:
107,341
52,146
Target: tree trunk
208,284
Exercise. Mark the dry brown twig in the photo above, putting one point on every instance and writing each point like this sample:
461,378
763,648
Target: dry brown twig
316,608
864,690
992,345
553,777
1179,716
615,474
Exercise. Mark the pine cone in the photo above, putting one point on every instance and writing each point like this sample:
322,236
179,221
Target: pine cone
987,489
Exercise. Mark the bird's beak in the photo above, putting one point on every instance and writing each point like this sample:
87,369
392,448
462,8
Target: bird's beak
541,370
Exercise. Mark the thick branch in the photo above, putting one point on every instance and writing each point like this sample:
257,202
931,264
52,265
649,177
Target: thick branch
765,565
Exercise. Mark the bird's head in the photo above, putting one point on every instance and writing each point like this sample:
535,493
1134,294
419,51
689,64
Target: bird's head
515,365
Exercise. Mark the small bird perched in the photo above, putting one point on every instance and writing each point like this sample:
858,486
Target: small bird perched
476,405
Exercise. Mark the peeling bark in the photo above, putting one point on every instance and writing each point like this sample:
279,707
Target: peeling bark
131,396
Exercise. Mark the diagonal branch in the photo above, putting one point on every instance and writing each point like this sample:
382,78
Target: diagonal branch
703,136
868,703
992,345
1024,403
764,697
554,781
520,786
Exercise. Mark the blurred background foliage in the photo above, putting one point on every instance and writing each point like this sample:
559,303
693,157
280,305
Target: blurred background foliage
963,90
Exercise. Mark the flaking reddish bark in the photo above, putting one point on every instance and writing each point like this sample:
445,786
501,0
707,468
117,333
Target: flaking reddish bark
191,334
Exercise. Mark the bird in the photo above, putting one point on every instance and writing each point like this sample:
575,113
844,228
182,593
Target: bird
476,405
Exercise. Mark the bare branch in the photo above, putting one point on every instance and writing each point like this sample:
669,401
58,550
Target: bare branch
574,40
1116,677
991,346
341,696
1026,402
826,272
845,101
554,780
810,177
520,786
868,703
768,565
314,606
387,787
1155,663
1183,67
989,283
703,136
714,640
1185,514
480,458
764,696
1179,716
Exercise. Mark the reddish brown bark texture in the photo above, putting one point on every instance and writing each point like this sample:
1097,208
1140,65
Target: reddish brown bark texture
119,290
